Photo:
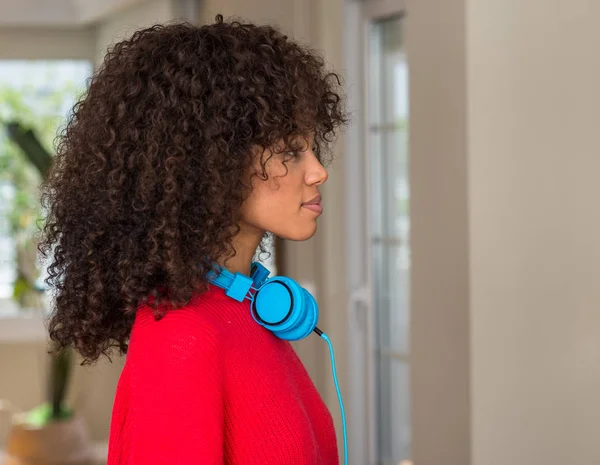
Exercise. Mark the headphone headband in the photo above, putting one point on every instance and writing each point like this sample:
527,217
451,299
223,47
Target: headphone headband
238,285
279,304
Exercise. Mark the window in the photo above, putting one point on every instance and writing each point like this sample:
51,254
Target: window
389,239
36,94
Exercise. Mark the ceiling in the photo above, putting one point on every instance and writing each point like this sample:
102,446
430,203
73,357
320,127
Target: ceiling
58,13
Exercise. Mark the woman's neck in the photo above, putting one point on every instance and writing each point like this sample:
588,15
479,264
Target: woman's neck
245,244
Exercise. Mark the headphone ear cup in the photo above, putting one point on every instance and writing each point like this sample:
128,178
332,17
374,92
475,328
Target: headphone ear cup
306,324
285,308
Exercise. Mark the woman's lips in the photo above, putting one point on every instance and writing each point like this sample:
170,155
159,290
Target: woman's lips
314,204
315,207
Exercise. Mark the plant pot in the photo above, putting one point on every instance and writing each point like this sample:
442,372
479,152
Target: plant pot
64,442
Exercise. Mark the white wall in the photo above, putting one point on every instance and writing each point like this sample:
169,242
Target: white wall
46,43
533,73
122,25
435,42
504,150
279,13
38,13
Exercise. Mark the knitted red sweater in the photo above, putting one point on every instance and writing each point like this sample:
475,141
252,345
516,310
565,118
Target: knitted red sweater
207,385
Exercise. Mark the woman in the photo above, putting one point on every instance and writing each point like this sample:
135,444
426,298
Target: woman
191,144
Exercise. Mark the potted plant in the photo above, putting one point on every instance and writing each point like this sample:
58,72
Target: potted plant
50,434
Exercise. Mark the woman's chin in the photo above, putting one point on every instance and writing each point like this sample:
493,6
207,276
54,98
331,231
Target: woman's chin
298,234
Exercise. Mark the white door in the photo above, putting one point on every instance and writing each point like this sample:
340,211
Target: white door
378,234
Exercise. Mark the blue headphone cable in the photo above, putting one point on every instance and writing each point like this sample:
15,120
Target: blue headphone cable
337,389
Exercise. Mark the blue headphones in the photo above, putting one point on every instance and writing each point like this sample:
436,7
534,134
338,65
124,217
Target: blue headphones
279,303
282,306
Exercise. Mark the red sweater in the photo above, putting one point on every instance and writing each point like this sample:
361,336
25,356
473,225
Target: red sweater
207,385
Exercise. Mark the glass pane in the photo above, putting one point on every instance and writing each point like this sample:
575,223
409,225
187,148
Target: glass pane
397,327
391,297
381,297
374,77
393,412
8,271
388,74
36,94
398,242
390,239
394,72
377,169
396,177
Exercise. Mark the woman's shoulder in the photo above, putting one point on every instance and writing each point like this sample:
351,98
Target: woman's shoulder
197,312
207,315
210,327
183,347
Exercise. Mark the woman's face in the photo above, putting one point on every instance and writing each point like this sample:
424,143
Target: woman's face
288,202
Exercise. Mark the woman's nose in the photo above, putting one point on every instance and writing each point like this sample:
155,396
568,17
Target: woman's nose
316,174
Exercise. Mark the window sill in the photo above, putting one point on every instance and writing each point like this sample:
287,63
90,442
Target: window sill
18,326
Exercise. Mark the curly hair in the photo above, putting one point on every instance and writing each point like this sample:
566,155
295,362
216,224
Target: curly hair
151,168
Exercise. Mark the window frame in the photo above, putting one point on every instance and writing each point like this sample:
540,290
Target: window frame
361,333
